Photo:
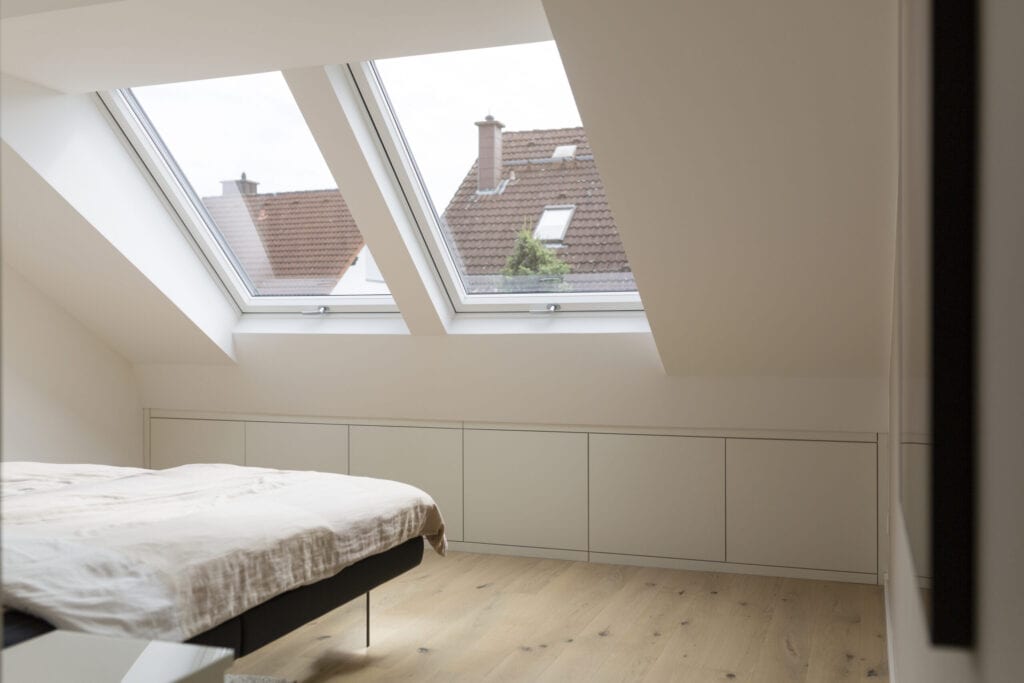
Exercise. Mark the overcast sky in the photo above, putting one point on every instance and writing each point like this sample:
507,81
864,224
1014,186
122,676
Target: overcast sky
218,128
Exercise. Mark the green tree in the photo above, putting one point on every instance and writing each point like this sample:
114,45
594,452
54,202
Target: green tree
531,257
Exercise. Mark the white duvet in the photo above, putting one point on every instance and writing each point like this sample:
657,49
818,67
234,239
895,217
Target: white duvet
169,554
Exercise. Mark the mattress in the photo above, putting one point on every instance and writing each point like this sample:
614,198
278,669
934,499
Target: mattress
170,554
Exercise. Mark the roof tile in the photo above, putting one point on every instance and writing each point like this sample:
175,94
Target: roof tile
484,226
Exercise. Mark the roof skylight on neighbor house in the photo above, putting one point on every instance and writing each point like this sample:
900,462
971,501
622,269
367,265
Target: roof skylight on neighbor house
553,223
564,152
246,159
498,145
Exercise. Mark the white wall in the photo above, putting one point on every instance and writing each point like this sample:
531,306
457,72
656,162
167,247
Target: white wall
581,379
67,397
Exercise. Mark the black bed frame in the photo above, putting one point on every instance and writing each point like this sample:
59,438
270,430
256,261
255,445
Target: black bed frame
282,614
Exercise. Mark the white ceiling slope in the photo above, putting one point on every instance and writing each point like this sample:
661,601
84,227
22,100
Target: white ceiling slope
82,223
59,252
749,154
102,46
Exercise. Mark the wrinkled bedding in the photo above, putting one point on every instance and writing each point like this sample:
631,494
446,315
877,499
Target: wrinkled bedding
169,554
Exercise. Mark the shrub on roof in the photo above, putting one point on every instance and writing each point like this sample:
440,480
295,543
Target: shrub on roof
531,257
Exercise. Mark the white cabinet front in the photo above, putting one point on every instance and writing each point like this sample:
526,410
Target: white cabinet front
807,504
526,488
425,457
174,442
297,446
662,496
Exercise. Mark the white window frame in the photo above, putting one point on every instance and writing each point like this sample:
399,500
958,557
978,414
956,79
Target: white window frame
198,226
366,81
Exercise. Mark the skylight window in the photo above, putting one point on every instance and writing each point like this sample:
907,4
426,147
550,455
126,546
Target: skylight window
553,223
248,164
564,152
499,149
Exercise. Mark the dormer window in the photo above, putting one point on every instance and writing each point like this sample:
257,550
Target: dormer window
553,224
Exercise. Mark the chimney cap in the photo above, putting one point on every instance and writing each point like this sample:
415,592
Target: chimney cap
490,121
240,186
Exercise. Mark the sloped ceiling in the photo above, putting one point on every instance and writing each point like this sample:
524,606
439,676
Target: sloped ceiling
749,154
748,149
62,254
139,42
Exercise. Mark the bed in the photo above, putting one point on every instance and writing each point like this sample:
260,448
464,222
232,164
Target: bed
212,554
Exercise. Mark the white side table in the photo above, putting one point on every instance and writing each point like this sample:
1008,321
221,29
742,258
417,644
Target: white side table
61,656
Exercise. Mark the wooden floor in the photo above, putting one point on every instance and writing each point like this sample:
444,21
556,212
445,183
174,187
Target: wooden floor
472,617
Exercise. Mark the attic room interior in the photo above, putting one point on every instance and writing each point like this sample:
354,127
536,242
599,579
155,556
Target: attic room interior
541,340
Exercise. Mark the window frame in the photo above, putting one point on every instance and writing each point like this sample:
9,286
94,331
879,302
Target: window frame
367,83
364,82
170,181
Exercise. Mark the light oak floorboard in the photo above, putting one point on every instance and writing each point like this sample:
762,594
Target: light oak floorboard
469,617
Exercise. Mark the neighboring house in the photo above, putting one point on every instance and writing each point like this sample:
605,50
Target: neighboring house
288,243
545,181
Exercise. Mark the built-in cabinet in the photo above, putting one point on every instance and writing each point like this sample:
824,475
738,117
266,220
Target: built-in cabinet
661,496
429,458
297,446
180,442
526,488
733,502
801,504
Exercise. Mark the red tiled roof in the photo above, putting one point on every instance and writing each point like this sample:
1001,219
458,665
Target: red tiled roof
289,242
485,226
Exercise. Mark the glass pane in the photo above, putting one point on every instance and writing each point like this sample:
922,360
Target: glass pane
243,151
499,145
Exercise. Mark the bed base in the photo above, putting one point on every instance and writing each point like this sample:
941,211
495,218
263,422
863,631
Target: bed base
282,614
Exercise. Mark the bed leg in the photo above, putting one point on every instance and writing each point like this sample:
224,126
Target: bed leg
367,618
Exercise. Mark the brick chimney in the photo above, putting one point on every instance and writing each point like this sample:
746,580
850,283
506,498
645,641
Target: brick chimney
241,186
488,163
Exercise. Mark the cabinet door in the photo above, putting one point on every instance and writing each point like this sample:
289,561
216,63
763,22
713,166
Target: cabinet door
662,496
427,458
526,488
297,446
802,504
175,442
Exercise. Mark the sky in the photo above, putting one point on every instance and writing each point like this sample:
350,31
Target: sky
218,128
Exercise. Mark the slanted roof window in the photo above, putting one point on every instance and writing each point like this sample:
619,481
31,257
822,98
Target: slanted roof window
553,223
491,158
564,152
250,168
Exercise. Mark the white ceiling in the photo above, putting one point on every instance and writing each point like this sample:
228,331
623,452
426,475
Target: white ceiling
749,154
748,149
103,46
46,240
